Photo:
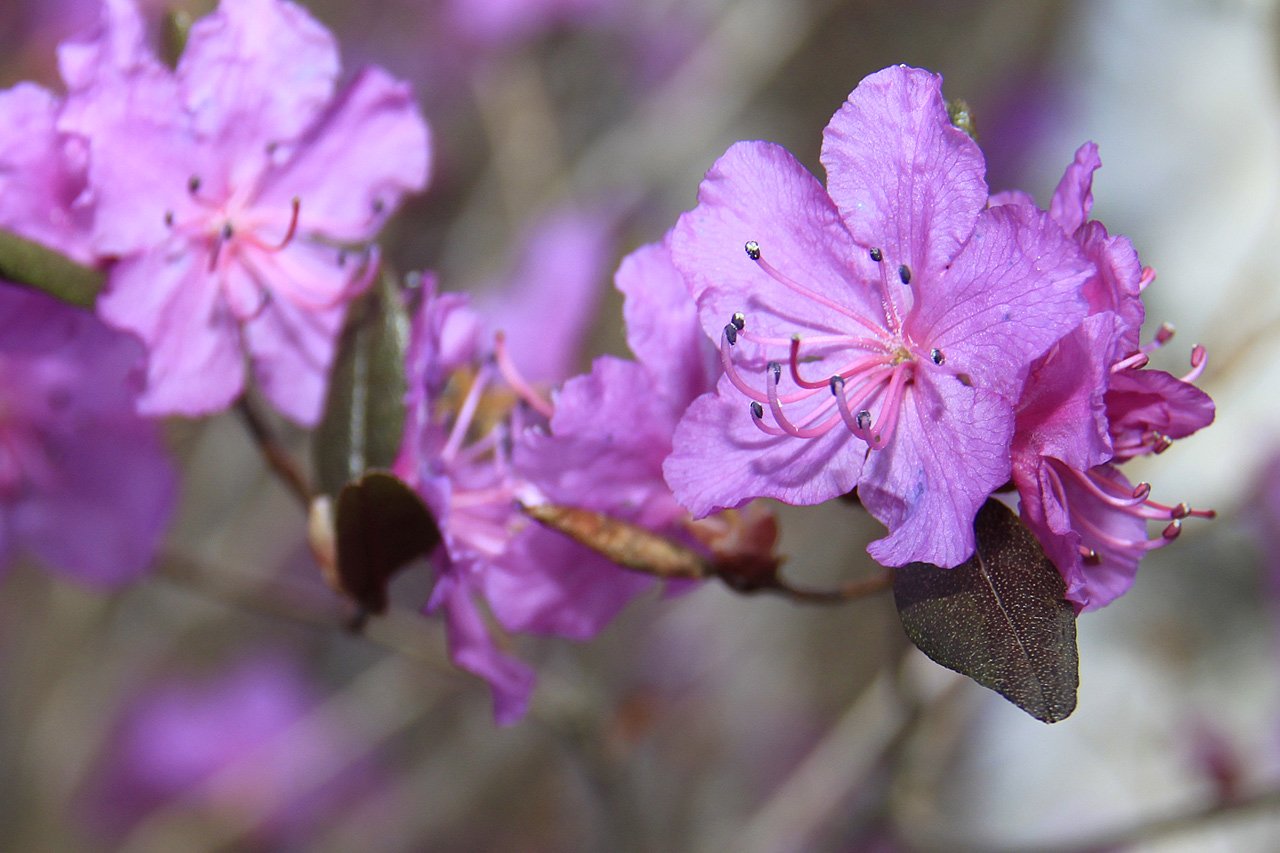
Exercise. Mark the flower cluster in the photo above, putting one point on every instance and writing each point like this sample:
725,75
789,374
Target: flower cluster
903,333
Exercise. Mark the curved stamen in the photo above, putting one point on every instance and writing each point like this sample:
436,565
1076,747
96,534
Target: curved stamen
517,382
860,424
726,362
296,205
1137,360
1085,526
1182,510
773,373
1199,358
1163,335
887,302
757,417
1095,488
891,406
756,254
795,366
1148,276
462,423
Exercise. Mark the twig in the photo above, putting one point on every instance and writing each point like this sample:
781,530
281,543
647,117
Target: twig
851,591
277,457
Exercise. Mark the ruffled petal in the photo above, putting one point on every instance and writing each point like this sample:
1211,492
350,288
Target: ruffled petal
905,179
662,324
375,139
1011,292
1142,401
949,453
171,302
472,648
256,72
721,460
759,191
1073,198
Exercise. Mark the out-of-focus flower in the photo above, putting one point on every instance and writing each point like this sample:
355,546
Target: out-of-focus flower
85,483
1090,404
236,192
903,312
245,725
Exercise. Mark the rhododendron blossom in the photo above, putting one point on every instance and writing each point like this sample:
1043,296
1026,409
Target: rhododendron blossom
1090,404
237,192
86,486
874,334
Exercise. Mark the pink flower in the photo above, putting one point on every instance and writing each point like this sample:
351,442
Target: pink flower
236,192
86,486
1088,405
874,334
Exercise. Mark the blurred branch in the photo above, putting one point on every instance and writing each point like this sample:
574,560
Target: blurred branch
40,268
274,452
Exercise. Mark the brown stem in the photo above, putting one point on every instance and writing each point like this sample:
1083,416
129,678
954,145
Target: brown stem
851,591
277,457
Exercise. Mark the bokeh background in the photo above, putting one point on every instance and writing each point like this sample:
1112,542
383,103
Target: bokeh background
220,703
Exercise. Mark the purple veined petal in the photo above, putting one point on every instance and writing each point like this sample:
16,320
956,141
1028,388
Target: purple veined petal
173,304
549,584
1010,197
1140,402
1073,198
472,648
662,324
546,304
1040,506
292,350
375,138
118,47
1011,292
759,192
256,72
950,451
1117,285
38,184
101,522
1062,413
721,460
606,445
904,178
1091,585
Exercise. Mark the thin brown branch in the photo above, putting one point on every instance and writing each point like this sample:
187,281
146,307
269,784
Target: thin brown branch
276,455
851,591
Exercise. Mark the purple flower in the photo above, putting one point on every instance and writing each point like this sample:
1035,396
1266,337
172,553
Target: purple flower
86,486
1088,405
236,743
874,334
468,485
603,450
236,192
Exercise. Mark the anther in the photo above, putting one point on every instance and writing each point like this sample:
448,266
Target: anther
168,218
731,333
739,320
1160,443
1142,491
193,184
837,385
965,379
863,420
877,255
1164,333
753,250
379,205
1182,510
1171,532
757,410
776,370
904,273
936,356
227,231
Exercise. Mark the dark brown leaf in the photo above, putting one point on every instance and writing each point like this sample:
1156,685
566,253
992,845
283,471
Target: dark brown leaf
999,618
380,525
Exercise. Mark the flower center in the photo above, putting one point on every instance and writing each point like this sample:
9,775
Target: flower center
874,365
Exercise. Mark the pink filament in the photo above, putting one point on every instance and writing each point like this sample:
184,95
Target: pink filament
517,382
794,285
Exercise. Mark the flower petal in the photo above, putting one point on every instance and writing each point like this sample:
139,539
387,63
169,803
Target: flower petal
1011,292
759,191
950,451
1073,198
375,138
292,349
721,460
256,72
905,179
170,301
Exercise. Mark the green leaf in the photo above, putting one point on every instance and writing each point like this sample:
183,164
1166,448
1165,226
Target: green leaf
999,618
28,263
380,525
364,414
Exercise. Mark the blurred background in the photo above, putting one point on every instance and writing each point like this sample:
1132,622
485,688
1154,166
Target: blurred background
220,704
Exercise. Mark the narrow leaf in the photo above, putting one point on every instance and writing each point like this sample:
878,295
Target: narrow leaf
364,413
626,544
999,618
28,263
380,525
